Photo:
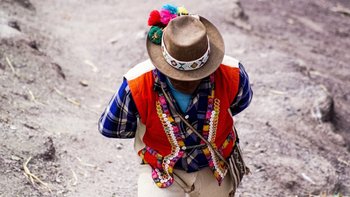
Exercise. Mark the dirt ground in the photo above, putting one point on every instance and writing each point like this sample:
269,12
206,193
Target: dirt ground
61,61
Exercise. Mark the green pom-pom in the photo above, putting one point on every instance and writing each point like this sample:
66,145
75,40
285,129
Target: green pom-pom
155,34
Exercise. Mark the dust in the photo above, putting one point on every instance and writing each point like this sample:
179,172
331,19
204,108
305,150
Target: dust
61,62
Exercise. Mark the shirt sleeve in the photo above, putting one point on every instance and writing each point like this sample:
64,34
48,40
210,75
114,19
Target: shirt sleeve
119,120
245,93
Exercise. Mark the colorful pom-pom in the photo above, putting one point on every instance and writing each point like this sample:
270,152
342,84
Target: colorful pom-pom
155,34
172,9
166,16
154,18
182,11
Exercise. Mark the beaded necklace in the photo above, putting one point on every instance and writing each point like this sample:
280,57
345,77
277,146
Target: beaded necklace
209,132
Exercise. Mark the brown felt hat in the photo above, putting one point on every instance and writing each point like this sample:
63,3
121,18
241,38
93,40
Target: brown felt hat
186,39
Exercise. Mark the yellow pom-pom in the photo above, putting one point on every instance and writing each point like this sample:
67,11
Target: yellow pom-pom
159,184
206,128
170,119
182,11
181,143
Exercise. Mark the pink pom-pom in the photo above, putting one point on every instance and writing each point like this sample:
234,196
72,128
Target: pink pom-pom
154,174
166,16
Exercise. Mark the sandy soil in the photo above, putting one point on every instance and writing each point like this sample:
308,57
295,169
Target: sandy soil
61,61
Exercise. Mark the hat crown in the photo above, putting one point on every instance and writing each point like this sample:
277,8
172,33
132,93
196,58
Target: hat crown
185,38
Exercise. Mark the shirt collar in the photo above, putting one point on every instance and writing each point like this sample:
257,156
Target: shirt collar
204,87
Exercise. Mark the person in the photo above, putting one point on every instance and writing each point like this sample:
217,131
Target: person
187,78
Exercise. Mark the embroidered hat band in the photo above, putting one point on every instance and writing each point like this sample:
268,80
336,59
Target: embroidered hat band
185,65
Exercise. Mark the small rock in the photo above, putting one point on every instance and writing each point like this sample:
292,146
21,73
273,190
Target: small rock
259,169
58,180
119,146
84,83
13,127
237,10
238,17
115,39
341,9
14,24
257,145
59,70
50,152
322,109
31,126
4,119
34,45
290,184
15,158
115,195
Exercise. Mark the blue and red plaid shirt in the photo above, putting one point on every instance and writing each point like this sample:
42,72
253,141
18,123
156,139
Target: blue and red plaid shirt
119,120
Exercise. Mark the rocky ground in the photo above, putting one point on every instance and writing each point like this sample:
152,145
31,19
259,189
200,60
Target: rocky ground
61,61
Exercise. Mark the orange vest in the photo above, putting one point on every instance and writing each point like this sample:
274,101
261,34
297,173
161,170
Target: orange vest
162,151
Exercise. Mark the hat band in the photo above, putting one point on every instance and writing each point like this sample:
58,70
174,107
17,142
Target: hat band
185,65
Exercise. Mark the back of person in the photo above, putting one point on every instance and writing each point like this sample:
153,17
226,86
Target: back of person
179,106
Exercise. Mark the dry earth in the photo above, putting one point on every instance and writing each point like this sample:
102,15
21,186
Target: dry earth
61,61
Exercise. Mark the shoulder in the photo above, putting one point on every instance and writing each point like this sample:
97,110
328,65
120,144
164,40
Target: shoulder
229,66
140,80
140,69
230,62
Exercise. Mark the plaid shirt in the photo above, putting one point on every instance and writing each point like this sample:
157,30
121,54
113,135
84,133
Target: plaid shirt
119,120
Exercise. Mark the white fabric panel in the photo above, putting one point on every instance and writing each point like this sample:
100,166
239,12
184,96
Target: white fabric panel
230,61
139,69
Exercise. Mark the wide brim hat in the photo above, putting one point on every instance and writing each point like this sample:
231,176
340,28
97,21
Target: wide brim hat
216,55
